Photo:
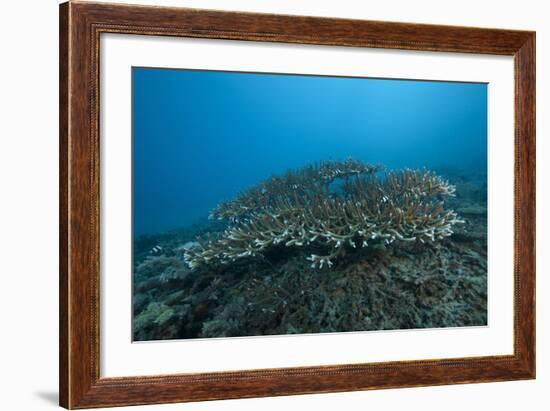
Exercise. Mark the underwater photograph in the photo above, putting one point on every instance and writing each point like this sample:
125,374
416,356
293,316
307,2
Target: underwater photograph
274,204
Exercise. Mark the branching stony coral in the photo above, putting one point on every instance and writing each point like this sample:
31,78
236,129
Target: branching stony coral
304,209
309,181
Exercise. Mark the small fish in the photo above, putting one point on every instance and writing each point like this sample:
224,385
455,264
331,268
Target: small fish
156,249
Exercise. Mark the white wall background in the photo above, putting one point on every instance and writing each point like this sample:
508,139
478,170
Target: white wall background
28,204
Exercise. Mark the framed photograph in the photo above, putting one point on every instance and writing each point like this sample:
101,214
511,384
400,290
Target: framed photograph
258,205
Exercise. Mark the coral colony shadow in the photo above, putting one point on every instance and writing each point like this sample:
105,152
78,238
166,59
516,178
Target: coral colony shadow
270,204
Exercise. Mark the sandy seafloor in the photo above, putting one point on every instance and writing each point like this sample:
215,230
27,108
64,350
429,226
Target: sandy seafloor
375,288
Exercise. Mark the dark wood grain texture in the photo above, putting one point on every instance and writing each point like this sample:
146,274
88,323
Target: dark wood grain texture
80,28
63,205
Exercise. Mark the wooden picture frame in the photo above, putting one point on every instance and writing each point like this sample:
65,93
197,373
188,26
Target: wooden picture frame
81,24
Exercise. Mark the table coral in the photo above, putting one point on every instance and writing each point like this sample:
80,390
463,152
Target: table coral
330,208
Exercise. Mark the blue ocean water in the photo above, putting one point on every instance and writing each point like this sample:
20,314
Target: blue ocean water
200,137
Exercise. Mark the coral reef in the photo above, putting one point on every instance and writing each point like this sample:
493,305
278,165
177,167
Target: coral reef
329,208
383,286
415,286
